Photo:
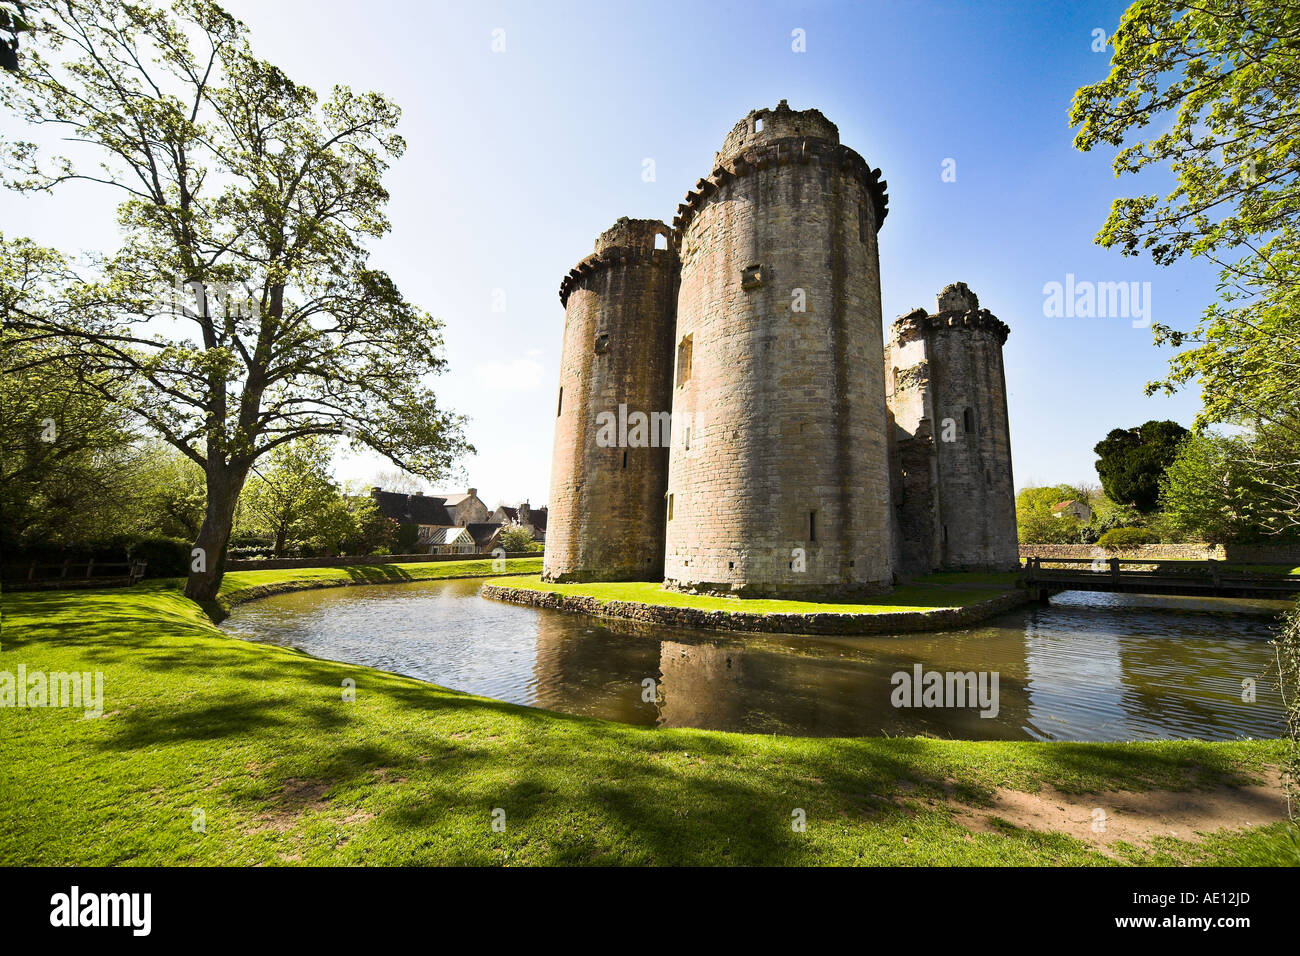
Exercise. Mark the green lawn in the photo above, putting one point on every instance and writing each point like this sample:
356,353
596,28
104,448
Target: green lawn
257,743
924,594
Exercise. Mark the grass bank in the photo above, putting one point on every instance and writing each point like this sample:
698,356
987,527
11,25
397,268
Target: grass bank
211,750
935,591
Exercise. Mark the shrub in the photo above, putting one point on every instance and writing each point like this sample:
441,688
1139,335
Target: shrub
1117,539
245,553
164,557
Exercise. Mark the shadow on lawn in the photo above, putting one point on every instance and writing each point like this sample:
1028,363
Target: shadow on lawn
431,764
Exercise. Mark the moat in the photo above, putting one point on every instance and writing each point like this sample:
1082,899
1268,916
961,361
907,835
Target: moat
1090,667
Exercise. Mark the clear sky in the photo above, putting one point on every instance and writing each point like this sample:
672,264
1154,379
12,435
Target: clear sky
517,159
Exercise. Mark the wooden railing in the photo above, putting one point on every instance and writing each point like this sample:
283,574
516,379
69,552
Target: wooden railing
69,573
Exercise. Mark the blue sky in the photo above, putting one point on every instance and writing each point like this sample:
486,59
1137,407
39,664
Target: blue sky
516,160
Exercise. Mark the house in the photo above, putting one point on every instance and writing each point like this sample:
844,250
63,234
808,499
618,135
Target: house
532,520
486,535
1079,509
449,523
439,520
450,540
464,509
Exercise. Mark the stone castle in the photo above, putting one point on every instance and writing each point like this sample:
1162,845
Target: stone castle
729,417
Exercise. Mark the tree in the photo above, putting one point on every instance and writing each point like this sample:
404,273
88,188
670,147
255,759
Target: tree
170,490
12,23
1205,495
246,204
1036,523
63,440
1222,83
292,493
515,539
1131,462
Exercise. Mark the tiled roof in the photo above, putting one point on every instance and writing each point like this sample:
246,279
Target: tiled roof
412,509
451,501
482,532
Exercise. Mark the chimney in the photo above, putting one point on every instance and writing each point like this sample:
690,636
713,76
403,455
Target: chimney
473,492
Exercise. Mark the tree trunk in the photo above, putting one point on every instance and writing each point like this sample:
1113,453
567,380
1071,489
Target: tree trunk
280,535
224,485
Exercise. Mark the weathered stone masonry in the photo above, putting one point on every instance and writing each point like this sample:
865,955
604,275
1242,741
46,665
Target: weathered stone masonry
801,463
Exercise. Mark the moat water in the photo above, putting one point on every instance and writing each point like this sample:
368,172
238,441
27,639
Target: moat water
1086,667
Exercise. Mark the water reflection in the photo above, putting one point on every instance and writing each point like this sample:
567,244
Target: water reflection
1087,667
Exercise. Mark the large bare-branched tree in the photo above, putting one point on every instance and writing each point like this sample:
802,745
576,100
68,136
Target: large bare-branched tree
240,311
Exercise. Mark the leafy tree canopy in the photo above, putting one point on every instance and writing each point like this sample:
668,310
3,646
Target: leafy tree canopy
1132,461
241,311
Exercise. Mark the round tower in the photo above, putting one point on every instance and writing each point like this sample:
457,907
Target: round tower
960,384
778,478
609,467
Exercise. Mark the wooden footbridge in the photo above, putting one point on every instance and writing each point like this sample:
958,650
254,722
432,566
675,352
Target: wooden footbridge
1045,577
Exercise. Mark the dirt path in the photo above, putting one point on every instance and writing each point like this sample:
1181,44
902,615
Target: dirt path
1101,819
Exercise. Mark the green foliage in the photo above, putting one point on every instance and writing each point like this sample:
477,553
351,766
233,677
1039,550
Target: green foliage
1207,495
407,535
515,539
166,557
1037,524
170,491
248,206
1288,672
293,499
1221,84
63,443
1132,461
1118,539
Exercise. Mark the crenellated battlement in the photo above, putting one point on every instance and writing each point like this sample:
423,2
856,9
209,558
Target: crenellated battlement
958,309
778,152
764,126
627,241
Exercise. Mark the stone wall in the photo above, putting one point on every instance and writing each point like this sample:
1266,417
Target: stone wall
778,479
344,561
606,518
894,622
1242,554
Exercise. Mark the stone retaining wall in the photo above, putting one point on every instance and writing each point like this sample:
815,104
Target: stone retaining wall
280,564
893,622
1241,554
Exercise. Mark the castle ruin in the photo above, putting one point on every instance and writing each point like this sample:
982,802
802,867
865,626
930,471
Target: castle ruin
729,417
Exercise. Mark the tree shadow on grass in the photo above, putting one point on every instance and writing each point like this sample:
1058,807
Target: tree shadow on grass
377,573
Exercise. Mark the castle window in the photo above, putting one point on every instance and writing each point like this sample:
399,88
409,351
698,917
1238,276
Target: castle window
661,241
758,124
559,406
684,349
968,420
862,222
625,458
602,343
751,277
812,526
896,388
670,507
